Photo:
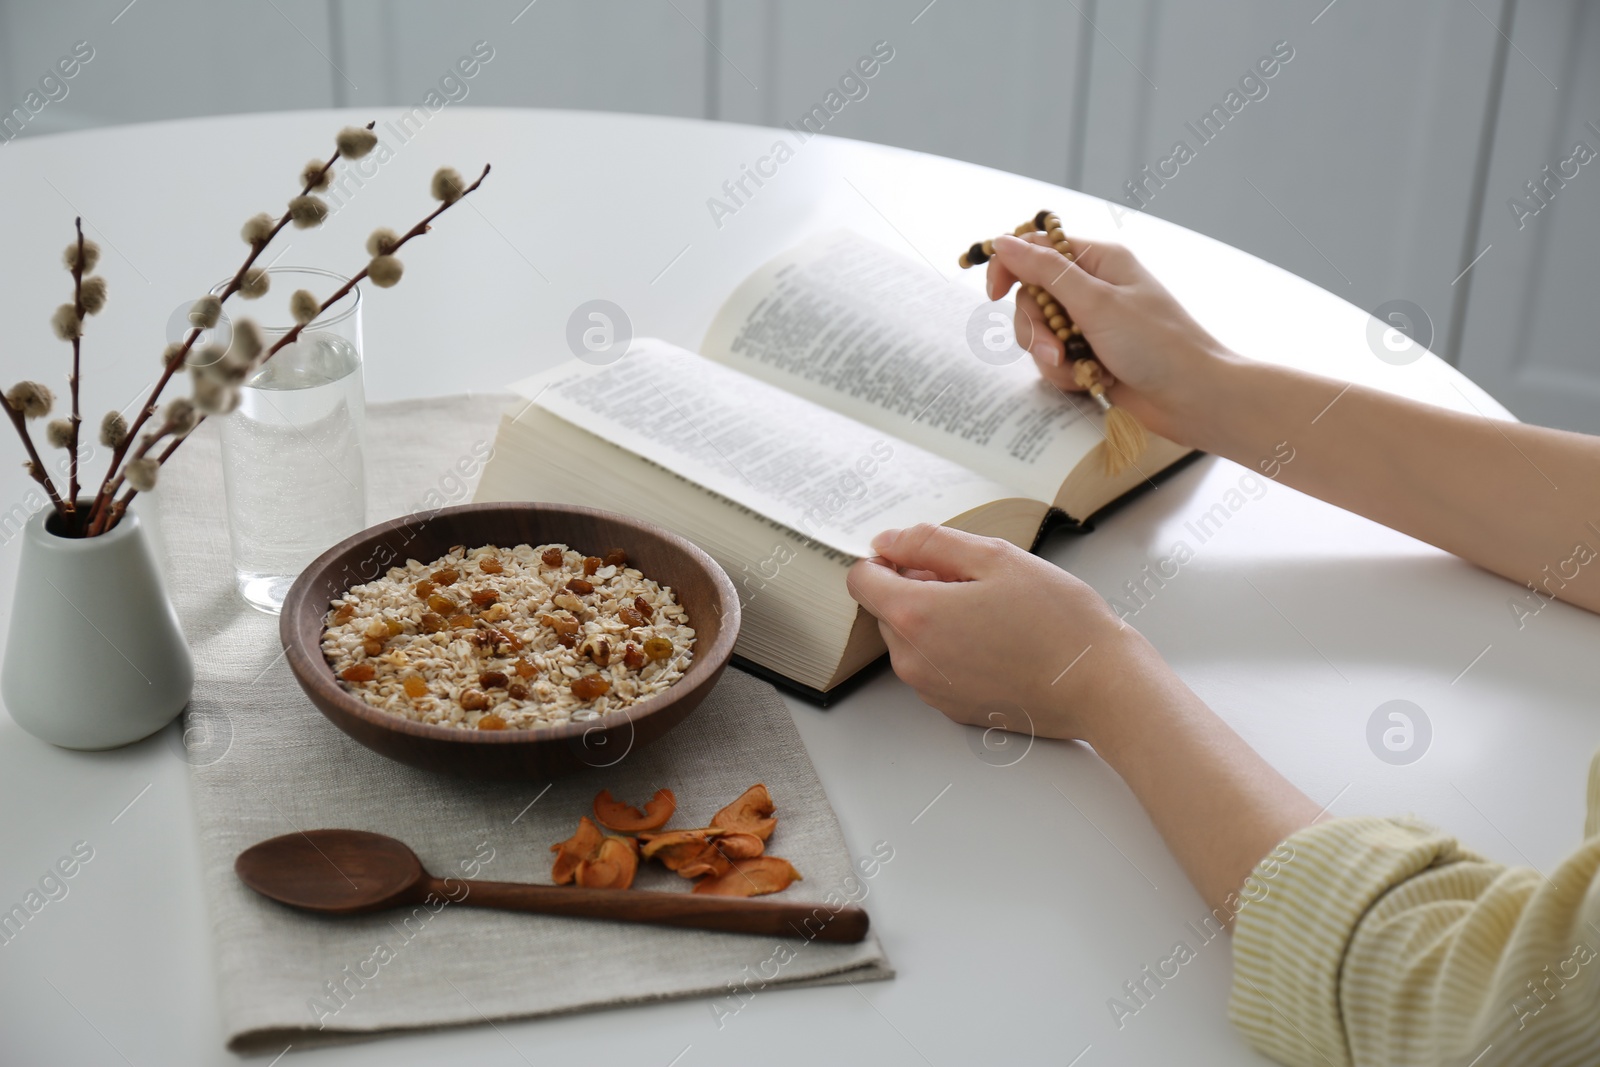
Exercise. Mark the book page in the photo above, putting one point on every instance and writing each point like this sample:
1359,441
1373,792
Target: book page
815,471
857,328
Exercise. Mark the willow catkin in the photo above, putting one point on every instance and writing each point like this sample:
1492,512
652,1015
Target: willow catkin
354,142
33,399
447,185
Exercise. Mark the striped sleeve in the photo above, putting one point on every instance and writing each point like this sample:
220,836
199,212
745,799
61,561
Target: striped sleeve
1382,941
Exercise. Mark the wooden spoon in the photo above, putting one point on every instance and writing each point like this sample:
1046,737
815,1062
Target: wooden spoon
348,872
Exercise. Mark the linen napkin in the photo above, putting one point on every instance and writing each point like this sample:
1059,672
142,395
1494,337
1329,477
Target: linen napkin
265,762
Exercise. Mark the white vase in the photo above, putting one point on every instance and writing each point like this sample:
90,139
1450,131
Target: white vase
95,657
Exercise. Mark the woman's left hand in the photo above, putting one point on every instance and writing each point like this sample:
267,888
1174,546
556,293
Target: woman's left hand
974,621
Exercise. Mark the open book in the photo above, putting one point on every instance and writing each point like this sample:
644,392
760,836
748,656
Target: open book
835,395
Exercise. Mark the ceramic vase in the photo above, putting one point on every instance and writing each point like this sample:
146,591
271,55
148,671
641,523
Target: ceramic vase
95,657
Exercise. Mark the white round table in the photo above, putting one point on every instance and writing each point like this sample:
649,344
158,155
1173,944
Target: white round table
1022,897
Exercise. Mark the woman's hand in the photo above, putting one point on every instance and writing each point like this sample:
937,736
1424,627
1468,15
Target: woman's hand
974,621
1160,356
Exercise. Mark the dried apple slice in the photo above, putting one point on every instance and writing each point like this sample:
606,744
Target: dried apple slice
692,853
654,842
613,866
740,846
747,815
702,861
708,862
574,850
613,814
751,878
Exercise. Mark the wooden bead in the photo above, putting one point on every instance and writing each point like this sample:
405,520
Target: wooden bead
1042,297
1039,220
964,261
1024,229
1029,288
1077,331
1063,334
1052,309
988,248
1057,322
1056,235
1064,247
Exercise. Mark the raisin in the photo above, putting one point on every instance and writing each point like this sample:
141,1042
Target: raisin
361,672
431,623
657,648
424,588
491,721
616,558
524,669
642,606
484,597
461,622
492,680
551,557
590,686
581,587
628,615
415,687
446,575
490,565
517,691
395,627
343,615
632,658
590,565
472,700
372,646
442,604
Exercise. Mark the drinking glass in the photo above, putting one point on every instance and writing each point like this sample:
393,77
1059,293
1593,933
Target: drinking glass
292,451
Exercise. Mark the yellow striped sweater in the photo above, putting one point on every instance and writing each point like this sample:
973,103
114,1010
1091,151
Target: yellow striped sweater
1383,941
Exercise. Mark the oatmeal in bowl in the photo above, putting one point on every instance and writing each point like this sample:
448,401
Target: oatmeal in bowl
493,638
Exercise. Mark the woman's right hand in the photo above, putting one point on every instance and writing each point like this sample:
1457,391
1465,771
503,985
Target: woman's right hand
1160,356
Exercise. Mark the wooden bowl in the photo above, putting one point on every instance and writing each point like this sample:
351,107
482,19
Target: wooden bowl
701,586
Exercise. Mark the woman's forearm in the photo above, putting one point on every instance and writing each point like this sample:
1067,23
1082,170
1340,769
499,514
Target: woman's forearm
1522,501
1218,805
1517,500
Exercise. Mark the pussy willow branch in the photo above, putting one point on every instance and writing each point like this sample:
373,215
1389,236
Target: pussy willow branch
108,486
339,294
152,438
121,505
77,348
35,464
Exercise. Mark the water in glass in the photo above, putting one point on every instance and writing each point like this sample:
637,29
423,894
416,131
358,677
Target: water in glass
292,463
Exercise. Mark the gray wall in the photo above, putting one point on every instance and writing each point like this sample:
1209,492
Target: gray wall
1378,160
